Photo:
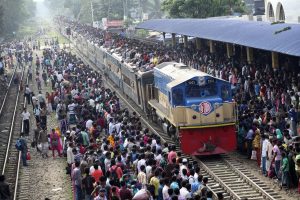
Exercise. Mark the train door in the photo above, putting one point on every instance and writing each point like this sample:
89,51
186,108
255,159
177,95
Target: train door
137,89
150,91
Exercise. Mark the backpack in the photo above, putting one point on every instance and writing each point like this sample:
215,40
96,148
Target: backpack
19,145
79,138
114,175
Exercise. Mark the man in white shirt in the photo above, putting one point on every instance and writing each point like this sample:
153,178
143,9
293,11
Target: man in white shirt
89,124
141,162
184,193
26,116
28,93
70,155
165,189
183,166
111,126
264,151
71,113
92,102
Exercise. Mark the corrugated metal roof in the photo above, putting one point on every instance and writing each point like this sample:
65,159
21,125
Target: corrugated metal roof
260,35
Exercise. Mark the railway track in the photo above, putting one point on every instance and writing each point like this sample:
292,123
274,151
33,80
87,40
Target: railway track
225,175
4,88
10,126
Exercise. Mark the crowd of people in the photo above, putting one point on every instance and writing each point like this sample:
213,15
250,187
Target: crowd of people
110,155
267,98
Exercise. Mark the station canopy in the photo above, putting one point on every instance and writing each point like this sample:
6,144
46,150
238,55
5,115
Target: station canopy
281,37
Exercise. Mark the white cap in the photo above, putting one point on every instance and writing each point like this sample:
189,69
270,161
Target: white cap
184,160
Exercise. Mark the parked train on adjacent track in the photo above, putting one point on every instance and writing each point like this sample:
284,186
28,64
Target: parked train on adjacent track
194,107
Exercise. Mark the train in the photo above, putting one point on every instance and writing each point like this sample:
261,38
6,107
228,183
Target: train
193,107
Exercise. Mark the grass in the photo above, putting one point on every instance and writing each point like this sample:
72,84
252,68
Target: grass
27,29
61,39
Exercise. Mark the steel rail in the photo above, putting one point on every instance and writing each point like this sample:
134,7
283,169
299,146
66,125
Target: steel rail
12,124
6,94
19,153
248,180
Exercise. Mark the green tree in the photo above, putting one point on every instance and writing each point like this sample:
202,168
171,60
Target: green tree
202,8
13,13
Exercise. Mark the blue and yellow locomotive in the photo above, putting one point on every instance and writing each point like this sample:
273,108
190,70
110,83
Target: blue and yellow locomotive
198,105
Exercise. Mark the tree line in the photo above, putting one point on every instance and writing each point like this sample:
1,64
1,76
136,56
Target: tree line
13,13
119,9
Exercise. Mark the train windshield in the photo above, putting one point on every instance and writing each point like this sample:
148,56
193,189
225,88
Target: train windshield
205,91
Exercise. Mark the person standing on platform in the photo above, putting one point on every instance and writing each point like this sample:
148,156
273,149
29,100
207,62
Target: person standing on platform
43,140
43,117
55,143
22,146
26,116
27,93
77,181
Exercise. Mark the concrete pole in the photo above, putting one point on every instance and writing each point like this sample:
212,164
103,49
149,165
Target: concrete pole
249,51
229,48
198,43
173,40
275,62
212,48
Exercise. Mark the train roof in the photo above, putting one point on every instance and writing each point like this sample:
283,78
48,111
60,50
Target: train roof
180,73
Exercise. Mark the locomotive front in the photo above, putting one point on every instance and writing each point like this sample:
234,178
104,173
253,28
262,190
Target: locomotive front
198,106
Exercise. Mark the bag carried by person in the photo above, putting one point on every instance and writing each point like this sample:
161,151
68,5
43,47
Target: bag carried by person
28,157
253,155
39,147
271,172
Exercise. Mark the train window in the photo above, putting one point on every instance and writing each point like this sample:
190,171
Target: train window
204,91
193,90
126,80
177,97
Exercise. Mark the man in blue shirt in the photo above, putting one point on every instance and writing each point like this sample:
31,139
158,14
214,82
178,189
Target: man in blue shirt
249,138
196,184
293,118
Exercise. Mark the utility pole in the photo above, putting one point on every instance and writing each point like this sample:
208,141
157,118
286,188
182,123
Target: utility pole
92,11
125,10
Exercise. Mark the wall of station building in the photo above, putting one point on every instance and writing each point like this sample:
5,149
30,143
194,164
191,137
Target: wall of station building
283,10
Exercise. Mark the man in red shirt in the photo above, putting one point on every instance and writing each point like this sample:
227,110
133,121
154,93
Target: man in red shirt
97,174
172,154
114,169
